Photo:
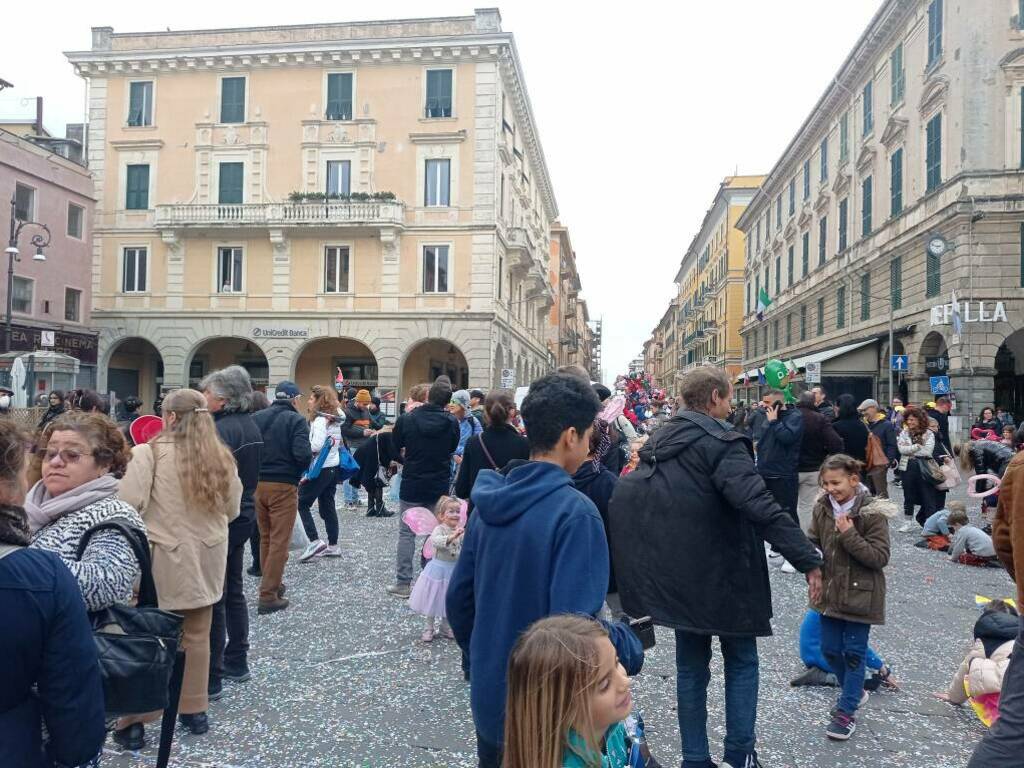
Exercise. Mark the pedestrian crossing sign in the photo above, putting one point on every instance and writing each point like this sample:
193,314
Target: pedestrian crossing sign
940,384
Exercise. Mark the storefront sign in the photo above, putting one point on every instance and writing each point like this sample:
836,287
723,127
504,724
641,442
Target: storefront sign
277,332
936,365
81,346
970,312
812,373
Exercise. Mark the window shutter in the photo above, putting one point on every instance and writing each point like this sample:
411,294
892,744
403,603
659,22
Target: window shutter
230,183
339,96
232,100
137,187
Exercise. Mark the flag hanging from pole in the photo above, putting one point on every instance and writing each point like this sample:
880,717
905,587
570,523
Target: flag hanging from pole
760,377
763,302
746,379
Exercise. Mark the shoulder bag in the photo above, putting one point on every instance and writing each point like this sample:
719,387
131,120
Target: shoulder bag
876,454
931,470
490,459
383,476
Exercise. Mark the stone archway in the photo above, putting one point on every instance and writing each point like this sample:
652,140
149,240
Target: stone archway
318,362
135,366
499,363
430,358
1008,381
214,353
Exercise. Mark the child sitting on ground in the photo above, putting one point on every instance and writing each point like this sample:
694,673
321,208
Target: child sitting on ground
980,677
936,527
568,696
970,545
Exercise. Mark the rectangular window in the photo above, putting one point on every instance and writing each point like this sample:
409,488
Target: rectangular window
841,306
76,217
437,183
439,93
865,206
896,283
229,270
501,277
339,96
336,269
140,104
868,98
72,305
789,283
805,253
24,202
807,179
136,196
767,277
232,100
778,212
778,275
865,296
757,288
435,269
803,322
768,223
1022,246
934,31
792,187
134,266
789,329
758,228
896,183
822,240
933,275
844,138
897,75
821,316
21,296
339,178
823,151
775,334
844,206
231,177
933,154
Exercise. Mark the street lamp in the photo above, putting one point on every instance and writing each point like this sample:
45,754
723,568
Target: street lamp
39,241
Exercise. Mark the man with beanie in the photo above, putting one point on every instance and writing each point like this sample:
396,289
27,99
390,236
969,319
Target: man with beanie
429,436
356,431
286,455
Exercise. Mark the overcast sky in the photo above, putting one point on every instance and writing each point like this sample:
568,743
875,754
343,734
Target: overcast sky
642,108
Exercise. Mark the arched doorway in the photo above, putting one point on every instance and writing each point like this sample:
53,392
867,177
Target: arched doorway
318,363
135,368
1009,378
430,358
222,351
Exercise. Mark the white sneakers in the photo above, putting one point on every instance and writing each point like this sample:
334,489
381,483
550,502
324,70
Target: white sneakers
787,567
314,549
332,550
906,527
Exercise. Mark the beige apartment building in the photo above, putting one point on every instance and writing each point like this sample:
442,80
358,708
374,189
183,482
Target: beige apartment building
371,196
569,323
903,185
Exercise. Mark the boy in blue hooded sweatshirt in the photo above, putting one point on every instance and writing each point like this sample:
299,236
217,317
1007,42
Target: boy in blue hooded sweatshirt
534,547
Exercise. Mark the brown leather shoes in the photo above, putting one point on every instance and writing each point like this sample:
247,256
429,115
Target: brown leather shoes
272,606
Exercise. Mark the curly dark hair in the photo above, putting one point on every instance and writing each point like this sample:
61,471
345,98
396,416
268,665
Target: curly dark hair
109,448
922,422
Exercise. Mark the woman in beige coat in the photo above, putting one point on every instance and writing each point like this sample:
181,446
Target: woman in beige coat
185,485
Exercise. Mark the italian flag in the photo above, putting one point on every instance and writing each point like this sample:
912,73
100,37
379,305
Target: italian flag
763,302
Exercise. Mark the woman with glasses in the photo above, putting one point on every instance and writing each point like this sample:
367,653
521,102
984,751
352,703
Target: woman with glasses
83,456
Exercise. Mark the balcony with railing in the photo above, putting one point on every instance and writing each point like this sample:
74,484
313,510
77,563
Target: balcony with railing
327,213
519,246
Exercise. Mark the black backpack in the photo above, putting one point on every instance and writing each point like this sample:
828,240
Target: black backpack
141,661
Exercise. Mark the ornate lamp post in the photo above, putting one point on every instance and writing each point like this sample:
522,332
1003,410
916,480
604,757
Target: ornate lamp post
40,241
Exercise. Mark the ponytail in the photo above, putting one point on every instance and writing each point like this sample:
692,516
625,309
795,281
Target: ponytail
205,465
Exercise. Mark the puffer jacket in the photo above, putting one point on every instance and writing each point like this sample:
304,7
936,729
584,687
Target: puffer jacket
990,457
286,452
853,577
983,668
357,421
687,529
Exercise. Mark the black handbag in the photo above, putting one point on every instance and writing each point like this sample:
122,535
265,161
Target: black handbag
141,662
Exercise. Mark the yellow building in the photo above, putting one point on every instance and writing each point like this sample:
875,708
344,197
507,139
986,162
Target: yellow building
710,281
371,196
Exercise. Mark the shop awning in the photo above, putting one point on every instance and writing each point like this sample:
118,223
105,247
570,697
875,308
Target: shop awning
815,357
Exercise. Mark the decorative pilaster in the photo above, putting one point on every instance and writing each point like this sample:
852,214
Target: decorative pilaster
282,270
390,258
175,268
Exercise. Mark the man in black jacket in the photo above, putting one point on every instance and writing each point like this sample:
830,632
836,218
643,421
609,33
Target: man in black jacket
883,429
823,404
819,441
286,455
429,436
941,414
228,395
687,530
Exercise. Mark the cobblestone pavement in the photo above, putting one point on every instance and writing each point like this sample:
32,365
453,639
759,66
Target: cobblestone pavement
341,679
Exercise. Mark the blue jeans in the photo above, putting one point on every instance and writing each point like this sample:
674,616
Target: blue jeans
349,493
845,646
693,660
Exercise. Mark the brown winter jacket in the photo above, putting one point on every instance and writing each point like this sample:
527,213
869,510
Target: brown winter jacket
853,579
1008,527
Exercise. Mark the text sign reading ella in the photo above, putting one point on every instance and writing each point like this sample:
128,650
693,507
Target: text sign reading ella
970,312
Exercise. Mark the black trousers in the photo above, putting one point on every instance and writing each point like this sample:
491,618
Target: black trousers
321,491
919,491
254,546
786,491
229,629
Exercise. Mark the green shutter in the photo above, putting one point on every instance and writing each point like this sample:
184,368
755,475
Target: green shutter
821,316
933,154
1022,247
865,207
841,307
230,183
339,96
933,275
896,183
896,283
790,259
232,100
865,296
137,188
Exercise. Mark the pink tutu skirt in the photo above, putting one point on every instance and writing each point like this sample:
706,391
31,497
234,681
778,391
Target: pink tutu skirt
427,596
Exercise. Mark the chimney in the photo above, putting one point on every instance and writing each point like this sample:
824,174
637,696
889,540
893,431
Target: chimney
39,115
101,37
487,20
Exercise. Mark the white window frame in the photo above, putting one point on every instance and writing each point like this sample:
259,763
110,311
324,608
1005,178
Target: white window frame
31,299
120,268
35,198
422,263
148,157
81,221
449,152
423,92
438,190
217,287
81,303
323,95
128,104
326,175
350,288
220,97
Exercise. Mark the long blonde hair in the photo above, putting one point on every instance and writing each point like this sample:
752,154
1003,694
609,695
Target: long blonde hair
205,465
324,401
553,666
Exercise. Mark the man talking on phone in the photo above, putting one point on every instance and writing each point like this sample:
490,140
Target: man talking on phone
778,454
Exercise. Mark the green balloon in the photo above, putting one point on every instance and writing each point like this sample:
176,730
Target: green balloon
777,375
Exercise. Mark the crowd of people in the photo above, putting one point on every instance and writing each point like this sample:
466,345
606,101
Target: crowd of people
558,533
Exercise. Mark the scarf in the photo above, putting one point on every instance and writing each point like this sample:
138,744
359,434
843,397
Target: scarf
13,526
43,509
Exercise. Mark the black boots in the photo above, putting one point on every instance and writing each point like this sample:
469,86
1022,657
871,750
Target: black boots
132,738
196,724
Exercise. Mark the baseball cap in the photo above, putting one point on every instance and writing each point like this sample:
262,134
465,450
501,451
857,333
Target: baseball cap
287,390
461,397
869,403
477,394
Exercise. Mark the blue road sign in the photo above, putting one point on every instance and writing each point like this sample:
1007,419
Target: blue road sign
940,384
900,362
